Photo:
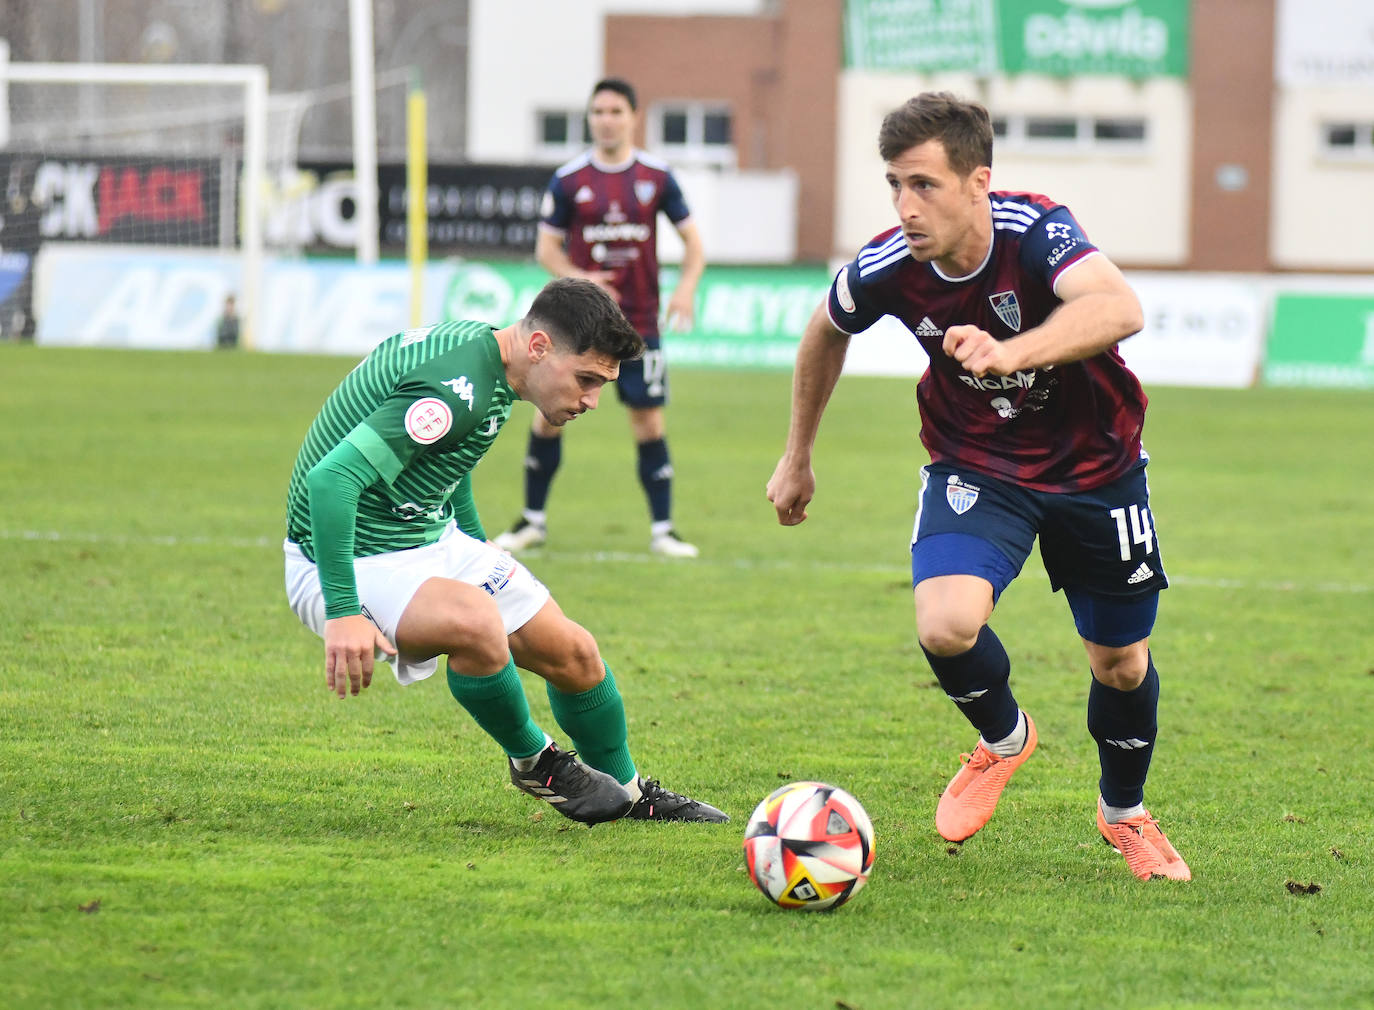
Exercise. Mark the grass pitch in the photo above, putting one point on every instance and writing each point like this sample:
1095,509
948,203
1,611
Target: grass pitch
188,819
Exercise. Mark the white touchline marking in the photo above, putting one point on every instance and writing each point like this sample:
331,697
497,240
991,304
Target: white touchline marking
628,557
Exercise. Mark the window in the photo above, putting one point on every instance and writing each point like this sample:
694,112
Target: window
560,133
1077,134
693,133
1348,141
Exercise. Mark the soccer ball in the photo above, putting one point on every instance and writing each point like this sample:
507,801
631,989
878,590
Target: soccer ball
809,845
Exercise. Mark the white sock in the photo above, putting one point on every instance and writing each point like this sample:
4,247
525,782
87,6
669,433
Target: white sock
533,518
527,764
662,526
1011,744
1115,815
632,787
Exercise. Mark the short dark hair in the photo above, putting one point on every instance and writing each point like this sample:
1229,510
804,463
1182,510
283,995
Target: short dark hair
963,127
580,316
620,86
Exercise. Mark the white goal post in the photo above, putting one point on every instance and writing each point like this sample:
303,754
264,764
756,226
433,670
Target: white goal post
249,82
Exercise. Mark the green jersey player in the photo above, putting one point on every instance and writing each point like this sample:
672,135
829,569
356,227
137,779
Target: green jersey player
386,557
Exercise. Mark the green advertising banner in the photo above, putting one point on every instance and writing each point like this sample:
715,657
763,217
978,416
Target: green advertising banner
1321,340
746,316
1126,38
921,35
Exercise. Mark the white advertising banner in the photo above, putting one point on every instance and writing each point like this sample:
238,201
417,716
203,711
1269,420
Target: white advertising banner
1199,331
1324,42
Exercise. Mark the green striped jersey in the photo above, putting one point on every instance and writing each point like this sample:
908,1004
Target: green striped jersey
423,407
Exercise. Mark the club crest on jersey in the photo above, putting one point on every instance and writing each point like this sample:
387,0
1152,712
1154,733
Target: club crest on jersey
645,190
961,496
428,419
584,195
1008,309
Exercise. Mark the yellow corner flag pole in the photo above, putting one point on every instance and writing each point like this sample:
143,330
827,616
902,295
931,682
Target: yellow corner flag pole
417,184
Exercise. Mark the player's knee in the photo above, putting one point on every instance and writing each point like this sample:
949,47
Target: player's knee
578,667
1122,669
947,633
479,642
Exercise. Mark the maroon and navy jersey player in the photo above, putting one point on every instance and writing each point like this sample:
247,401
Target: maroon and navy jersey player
608,217
1065,428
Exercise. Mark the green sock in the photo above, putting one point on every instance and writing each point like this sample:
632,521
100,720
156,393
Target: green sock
499,706
595,720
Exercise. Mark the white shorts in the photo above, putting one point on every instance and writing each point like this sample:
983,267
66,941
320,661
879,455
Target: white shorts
388,582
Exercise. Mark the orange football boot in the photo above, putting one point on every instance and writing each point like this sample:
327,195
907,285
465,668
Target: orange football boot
971,796
1148,853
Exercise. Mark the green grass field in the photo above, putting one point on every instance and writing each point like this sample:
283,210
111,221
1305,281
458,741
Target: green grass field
188,818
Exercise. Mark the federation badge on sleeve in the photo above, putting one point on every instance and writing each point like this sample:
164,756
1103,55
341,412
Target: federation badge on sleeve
428,419
645,190
842,290
1008,309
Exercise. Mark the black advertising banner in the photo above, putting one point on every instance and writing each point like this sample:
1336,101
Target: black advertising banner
471,209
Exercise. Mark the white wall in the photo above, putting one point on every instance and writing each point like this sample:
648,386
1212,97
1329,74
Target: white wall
545,54
1103,190
1322,207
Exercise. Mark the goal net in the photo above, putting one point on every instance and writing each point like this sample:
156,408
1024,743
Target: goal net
110,173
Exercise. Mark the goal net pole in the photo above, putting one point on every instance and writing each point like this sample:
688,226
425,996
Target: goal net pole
417,187
252,80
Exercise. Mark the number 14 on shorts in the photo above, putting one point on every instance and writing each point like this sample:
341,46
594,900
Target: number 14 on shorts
1135,530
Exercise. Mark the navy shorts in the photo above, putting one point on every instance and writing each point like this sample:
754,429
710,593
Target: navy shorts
643,381
1099,546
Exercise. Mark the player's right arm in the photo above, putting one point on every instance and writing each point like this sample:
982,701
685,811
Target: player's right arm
820,359
351,640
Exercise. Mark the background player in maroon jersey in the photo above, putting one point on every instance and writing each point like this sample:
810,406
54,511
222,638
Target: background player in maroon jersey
1033,426
599,221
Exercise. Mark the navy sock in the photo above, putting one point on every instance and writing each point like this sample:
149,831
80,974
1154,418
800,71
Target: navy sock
656,474
1124,725
976,681
541,463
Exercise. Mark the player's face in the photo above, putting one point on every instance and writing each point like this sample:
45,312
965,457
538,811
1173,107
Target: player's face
563,385
612,123
942,213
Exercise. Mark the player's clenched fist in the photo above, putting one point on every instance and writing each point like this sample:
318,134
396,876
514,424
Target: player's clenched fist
977,350
791,489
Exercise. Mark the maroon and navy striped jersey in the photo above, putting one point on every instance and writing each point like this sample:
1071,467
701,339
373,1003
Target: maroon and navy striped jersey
1059,428
608,215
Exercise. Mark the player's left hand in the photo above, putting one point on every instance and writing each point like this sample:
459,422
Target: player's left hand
978,351
681,312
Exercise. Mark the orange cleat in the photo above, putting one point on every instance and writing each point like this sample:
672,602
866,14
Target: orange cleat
971,796
1148,853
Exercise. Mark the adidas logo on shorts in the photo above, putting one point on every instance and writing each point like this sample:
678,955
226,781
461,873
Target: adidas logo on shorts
1140,575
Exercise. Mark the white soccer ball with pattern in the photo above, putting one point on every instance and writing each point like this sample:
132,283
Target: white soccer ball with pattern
809,845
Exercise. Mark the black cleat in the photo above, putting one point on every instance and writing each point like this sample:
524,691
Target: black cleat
659,804
575,790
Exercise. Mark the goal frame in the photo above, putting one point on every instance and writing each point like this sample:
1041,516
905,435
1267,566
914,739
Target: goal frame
252,79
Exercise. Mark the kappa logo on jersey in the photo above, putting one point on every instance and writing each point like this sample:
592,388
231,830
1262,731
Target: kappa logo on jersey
927,328
1008,309
546,205
461,389
428,419
584,195
961,496
645,190
846,299
492,425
